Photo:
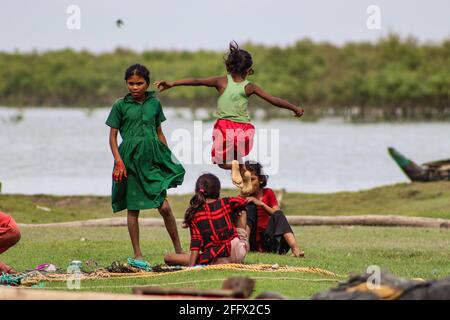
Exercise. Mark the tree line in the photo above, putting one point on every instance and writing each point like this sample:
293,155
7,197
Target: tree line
395,77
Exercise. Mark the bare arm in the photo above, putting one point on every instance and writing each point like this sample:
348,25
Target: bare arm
278,102
161,135
206,82
119,168
193,258
270,210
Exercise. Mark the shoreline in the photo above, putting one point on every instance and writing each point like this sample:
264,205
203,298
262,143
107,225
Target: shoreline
426,200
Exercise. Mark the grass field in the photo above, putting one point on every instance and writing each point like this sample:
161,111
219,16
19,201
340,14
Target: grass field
406,252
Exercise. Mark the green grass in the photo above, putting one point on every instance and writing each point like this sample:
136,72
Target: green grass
416,199
406,252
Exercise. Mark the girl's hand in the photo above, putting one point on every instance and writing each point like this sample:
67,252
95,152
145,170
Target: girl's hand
163,85
254,200
299,112
119,171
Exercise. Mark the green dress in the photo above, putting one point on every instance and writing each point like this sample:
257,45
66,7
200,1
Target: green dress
151,166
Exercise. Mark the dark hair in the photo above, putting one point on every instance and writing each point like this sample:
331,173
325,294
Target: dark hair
207,186
138,70
257,169
238,61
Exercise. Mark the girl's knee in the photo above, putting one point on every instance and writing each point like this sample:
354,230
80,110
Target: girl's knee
133,213
168,259
165,210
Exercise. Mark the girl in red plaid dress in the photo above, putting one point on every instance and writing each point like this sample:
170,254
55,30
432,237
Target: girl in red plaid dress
217,226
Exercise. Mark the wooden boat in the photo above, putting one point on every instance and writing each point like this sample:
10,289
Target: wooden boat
430,171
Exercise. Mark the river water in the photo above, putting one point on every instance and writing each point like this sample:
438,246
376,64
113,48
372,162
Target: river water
66,151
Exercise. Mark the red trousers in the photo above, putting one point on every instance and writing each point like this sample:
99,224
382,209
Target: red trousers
9,236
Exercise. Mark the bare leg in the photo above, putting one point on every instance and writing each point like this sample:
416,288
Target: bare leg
241,221
133,229
247,189
171,225
290,239
236,176
179,259
6,269
242,229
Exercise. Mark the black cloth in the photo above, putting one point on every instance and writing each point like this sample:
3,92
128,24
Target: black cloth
272,237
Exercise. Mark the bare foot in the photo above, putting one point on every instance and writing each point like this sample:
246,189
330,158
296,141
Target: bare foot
6,269
236,174
248,188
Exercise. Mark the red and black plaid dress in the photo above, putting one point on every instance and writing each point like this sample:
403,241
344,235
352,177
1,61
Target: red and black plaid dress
212,228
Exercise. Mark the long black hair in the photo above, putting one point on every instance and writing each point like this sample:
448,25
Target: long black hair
207,186
257,169
138,70
238,61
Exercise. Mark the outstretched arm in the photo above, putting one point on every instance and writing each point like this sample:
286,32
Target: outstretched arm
207,82
281,103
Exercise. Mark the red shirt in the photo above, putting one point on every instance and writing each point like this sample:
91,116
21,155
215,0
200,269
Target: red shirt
269,199
212,228
4,222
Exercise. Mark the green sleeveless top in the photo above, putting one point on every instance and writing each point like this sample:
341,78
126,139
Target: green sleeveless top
233,103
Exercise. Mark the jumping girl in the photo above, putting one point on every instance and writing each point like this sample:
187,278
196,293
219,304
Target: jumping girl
233,133
143,165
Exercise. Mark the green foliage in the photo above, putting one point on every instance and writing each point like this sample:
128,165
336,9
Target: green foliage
394,74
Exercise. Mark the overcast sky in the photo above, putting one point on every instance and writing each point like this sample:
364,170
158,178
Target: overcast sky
209,24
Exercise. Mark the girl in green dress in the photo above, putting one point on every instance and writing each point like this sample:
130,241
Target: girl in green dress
144,166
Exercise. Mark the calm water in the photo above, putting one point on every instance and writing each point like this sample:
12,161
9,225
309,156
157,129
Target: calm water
66,151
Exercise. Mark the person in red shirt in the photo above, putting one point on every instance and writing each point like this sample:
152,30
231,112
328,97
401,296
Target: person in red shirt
9,236
217,226
267,227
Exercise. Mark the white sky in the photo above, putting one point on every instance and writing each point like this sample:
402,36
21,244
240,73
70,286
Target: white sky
210,24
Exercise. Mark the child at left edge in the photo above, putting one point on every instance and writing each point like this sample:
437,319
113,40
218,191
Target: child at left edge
9,236
144,166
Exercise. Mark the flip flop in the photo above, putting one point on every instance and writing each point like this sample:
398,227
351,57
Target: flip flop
140,264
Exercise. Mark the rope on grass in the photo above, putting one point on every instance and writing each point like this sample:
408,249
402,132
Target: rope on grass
187,282
36,277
